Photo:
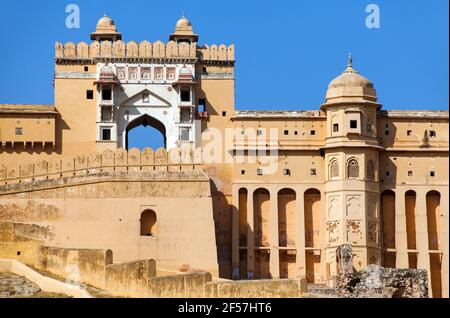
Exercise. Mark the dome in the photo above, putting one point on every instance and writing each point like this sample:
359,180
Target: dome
350,86
183,24
106,30
107,75
185,74
183,31
106,70
106,24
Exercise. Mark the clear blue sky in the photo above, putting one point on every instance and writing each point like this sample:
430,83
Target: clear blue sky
287,51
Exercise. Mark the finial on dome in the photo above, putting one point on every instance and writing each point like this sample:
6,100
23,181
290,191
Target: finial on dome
349,68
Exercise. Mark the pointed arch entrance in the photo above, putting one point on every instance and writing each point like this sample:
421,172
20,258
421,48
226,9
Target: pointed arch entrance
146,121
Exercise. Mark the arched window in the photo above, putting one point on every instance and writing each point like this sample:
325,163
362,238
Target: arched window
353,168
334,169
148,223
370,170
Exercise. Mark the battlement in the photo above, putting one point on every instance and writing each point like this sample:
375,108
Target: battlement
134,160
144,50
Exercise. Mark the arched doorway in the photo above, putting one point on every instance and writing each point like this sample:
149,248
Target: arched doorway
148,223
261,221
410,213
312,201
145,131
388,228
433,202
243,228
287,232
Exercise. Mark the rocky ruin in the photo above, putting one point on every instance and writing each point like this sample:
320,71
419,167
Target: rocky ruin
376,281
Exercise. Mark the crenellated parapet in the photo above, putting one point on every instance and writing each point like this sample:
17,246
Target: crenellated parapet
217,52
143,50
134,160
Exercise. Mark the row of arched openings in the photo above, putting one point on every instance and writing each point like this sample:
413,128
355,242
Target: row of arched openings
352,169
388,230
287,232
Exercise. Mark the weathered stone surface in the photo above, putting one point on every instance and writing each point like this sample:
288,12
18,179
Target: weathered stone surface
344,258
12,285
380,282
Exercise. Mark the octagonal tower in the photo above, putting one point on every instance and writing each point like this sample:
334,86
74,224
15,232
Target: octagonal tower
351,160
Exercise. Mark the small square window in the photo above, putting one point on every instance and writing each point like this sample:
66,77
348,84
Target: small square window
432,133
432,173
185,94
202,105
106,94
386,132
106,113
184,134
106,134
313,132
286,132
89,94
353,124
86,69
224,114
204,69
19,131
296,132
335,127
387,173
185,115
259,172
286,172
409,133
410,173
259,132
313,172
242,172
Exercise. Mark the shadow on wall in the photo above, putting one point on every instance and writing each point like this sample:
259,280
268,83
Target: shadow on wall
222,226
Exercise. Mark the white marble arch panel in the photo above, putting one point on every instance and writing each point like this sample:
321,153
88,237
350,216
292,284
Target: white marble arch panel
157,107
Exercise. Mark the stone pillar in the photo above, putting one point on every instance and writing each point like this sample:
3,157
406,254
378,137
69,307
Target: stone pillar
250,235
443,242
423,257
300,244
235,233
274,244
401,242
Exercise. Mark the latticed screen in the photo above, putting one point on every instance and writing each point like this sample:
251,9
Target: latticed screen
353,169
370,170
334,169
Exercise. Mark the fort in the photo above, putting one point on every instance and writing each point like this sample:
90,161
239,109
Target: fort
268,215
